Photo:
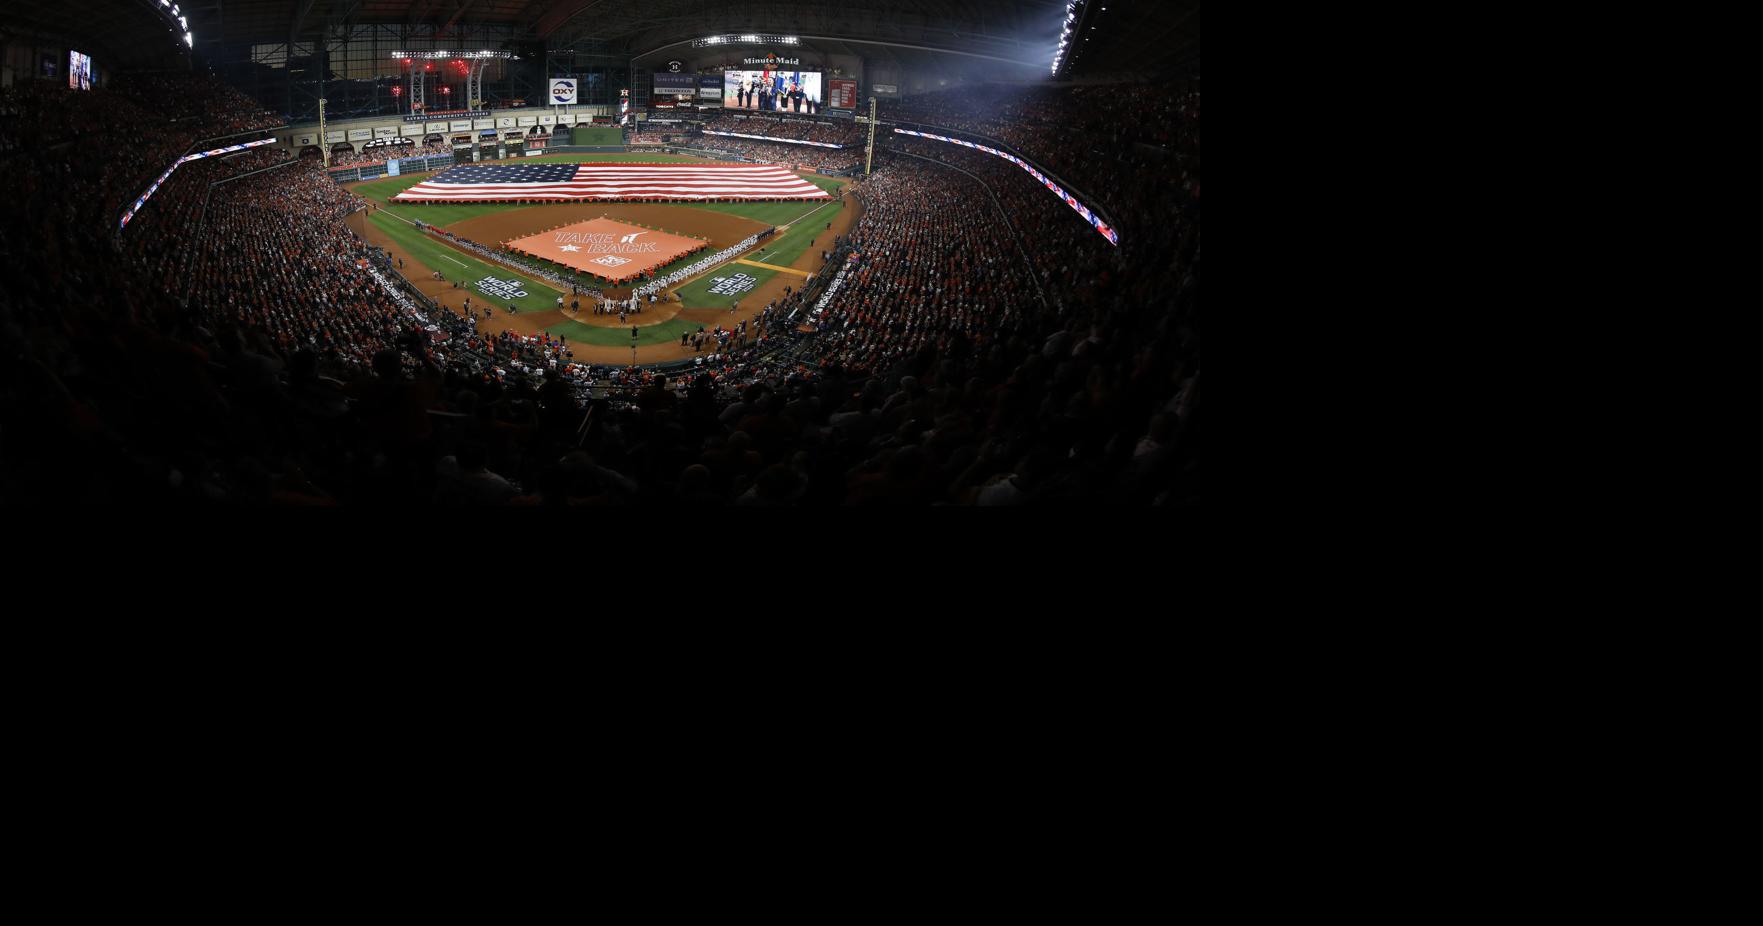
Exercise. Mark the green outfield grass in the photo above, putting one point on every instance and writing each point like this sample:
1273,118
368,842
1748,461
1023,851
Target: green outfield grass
696,294
664,333
596,136
779,250
457,265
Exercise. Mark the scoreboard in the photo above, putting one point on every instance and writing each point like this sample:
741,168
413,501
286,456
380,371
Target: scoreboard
841,94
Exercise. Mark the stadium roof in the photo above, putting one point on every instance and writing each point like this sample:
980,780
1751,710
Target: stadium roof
1137,35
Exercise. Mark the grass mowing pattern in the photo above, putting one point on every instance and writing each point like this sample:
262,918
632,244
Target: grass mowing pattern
455,265
667,332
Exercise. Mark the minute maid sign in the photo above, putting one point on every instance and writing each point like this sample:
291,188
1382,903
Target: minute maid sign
562,91
501,289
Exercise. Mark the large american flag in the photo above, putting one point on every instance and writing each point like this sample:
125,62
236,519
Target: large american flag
505,182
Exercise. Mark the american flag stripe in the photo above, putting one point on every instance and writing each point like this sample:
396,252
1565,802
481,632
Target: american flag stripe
500,182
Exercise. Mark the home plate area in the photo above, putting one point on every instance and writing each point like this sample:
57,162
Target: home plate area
612,251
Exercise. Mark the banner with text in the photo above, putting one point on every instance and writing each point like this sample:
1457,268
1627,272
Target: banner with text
842,94
676,85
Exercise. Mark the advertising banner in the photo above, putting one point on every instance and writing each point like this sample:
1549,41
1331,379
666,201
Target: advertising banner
676,85
526,120
566,119
304,140
547,119
562,91
410,131
436,127
385,131
459,125
772,61
360,134
710,88
885,89
331,138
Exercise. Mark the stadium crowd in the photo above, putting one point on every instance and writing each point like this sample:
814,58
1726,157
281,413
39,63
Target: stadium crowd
1109,142
832,133
825,159
249,354
380,154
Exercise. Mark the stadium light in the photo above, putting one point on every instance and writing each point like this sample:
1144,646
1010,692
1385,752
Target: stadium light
1072,9
747,38
189,40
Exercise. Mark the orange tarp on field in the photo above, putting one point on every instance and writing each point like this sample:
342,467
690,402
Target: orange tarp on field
613,251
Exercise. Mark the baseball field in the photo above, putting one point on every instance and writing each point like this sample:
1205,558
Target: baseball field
752,279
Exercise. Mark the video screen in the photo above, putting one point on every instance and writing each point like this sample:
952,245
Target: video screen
773,91
79,71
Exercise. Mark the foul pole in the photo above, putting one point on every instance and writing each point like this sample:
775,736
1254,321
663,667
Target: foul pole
869,151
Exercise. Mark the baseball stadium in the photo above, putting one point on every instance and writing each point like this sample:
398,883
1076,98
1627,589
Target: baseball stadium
537,253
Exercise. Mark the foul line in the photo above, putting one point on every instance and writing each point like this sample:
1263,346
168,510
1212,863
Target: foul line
834,202
790,270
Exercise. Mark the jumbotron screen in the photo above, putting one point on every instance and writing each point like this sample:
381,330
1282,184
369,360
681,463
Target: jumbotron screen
79,71
772,91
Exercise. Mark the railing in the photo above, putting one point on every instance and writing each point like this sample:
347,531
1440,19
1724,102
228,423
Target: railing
912,129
